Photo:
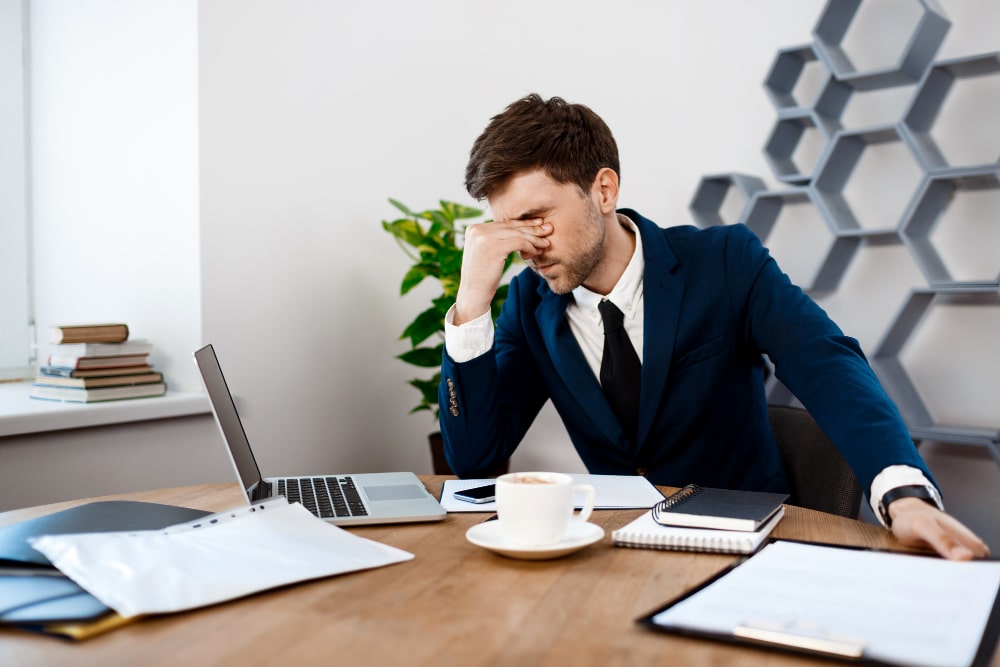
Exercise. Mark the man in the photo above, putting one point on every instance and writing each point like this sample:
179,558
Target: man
699,307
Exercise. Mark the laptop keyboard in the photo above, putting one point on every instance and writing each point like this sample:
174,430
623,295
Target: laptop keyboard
326,497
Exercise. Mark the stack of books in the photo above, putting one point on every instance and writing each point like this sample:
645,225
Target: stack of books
91,363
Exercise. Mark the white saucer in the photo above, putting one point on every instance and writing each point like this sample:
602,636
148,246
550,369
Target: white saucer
579,535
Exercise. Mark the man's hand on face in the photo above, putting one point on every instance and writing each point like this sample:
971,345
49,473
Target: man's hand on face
487,246
917,524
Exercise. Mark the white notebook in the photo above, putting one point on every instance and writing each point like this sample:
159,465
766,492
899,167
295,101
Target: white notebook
646,533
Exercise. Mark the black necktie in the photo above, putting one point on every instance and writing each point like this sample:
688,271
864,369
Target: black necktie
621,370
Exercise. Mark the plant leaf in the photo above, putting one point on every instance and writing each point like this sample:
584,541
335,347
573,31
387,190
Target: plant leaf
413,278
424,326
432,244
450,286
406,230
425,357
450,260
428,391
402,207
458,211
443,303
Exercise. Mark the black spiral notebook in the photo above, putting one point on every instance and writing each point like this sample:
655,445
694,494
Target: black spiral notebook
725,509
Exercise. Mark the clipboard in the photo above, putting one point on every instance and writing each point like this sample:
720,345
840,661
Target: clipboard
680,615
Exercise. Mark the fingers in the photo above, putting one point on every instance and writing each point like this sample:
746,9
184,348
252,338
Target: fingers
927,526
943,541
519,223
535,234
954,541
533,231
487,246
488,243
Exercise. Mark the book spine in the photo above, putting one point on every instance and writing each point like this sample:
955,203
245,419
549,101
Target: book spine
102,349
55,371
82,363
90,333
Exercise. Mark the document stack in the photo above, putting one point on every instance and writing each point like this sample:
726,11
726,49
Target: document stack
91,363
83,571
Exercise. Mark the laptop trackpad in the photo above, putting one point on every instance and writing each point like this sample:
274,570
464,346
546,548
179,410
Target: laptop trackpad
394,492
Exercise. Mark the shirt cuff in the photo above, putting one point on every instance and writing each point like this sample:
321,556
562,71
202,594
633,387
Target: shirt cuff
895,476
467,341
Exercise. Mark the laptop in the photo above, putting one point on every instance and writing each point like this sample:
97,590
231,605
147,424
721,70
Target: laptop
367,498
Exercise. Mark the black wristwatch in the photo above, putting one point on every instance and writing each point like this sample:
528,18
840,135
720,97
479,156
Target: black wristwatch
914,491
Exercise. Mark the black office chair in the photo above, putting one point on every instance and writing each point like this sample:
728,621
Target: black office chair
818,476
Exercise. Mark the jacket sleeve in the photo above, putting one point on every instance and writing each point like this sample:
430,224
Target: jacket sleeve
488,403
825,369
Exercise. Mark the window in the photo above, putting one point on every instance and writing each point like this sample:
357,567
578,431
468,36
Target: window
15,310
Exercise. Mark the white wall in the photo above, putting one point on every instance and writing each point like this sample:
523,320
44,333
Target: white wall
114,172
14,303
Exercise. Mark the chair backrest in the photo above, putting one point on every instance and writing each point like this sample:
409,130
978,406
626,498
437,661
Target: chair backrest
818,476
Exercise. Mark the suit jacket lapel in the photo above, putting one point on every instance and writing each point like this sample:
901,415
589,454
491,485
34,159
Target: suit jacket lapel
569,362
663,294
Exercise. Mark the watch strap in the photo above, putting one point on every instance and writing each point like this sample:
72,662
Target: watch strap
908,491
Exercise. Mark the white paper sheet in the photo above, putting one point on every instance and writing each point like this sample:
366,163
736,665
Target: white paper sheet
612,492
903,609
220,557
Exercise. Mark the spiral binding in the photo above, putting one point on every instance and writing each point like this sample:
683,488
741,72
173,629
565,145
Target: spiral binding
674,500
719,545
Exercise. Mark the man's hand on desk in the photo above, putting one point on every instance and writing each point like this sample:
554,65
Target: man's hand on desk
917,524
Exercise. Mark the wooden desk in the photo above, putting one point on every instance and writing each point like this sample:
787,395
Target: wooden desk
454,604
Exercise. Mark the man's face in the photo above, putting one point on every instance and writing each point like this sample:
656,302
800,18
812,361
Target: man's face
577,238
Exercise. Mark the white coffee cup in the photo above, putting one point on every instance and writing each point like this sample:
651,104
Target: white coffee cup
536,508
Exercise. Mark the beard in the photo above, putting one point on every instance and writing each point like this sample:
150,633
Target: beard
568,274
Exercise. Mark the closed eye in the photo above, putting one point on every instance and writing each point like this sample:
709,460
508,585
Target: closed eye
532,214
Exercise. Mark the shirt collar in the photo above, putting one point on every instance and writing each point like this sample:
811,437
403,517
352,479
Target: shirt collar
628,289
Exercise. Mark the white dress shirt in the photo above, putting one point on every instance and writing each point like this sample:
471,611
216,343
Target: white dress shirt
585,319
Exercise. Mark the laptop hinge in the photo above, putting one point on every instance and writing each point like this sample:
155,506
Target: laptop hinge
260,491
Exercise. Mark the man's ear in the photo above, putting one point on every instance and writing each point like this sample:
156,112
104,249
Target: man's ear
605,190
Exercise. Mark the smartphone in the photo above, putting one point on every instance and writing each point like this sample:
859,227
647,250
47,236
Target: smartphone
478,494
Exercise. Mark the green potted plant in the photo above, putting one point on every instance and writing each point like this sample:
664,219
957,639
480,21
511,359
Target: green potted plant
431,239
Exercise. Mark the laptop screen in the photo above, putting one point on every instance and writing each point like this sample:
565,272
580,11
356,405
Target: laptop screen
228,419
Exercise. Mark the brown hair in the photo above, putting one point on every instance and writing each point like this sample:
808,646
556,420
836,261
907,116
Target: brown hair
569,141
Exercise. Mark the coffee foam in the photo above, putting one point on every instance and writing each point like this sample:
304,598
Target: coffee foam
530,479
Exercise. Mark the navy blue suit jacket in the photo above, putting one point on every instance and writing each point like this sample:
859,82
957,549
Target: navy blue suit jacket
715,301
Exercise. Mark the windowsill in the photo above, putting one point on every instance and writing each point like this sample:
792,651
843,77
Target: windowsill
20,414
